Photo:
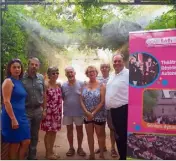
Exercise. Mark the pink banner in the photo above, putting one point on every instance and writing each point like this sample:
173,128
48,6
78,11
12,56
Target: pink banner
152,94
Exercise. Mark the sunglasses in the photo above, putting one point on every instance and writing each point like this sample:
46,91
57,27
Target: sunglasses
16,60
55,73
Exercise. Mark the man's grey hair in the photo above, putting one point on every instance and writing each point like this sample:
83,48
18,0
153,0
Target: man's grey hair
69,67
106,63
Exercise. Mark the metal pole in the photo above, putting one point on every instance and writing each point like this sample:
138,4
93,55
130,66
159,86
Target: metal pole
136,2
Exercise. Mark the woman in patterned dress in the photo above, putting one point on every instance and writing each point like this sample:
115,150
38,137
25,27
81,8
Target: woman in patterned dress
52,122
92,102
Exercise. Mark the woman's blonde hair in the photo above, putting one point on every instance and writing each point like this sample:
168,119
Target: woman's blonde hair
90,67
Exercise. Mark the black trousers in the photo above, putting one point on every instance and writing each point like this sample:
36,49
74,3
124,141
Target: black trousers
119,119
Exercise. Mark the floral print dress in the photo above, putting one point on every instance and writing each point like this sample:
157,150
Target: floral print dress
52,121
91,98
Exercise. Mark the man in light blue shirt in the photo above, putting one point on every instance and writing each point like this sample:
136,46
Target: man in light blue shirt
72,110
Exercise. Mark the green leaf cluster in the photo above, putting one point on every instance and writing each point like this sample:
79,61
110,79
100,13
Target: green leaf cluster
13,40
82,22
167,20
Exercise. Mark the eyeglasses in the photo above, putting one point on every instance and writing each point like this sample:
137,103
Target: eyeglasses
91,71
55,73
105,67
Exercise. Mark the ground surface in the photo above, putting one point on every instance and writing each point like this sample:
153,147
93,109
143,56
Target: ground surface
61,146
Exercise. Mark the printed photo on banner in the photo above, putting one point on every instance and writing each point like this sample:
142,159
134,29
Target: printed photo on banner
152,96
151,146
144,69
159,106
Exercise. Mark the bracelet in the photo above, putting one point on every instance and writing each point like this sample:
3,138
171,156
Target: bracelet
44,110
93,113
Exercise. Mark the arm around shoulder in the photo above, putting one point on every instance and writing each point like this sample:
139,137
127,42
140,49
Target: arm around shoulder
59,84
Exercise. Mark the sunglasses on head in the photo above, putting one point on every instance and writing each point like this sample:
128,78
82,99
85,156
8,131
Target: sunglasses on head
16,60
55,73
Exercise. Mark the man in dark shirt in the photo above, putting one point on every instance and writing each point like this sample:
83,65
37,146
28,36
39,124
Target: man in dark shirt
34,85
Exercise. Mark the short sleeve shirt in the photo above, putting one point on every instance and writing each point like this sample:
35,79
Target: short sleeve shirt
103,80
35,89
71,99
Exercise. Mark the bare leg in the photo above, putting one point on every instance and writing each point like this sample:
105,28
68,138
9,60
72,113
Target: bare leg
90,137
46,143
79,130
70,135
112,139
13,151
114,153
24,145
104,135
53,138
49,145
101,138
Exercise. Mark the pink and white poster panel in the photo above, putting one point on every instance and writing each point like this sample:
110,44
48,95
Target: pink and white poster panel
152,95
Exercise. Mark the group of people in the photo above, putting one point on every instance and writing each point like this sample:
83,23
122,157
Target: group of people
142,73
152,147
30,102
171,120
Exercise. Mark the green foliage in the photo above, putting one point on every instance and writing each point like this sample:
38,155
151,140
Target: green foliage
149,101
45,15
54,17
127,10
82,22
89,13
92,15
167,20
13,38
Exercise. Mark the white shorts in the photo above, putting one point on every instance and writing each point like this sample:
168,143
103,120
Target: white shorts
69,120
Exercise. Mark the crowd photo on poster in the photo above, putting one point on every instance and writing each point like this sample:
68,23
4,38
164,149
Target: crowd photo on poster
144,69
152,147
159,106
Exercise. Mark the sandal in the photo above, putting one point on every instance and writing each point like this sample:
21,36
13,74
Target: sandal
91,157
56,155
98,150
51,157
102,157
114,153
81,152
70,152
